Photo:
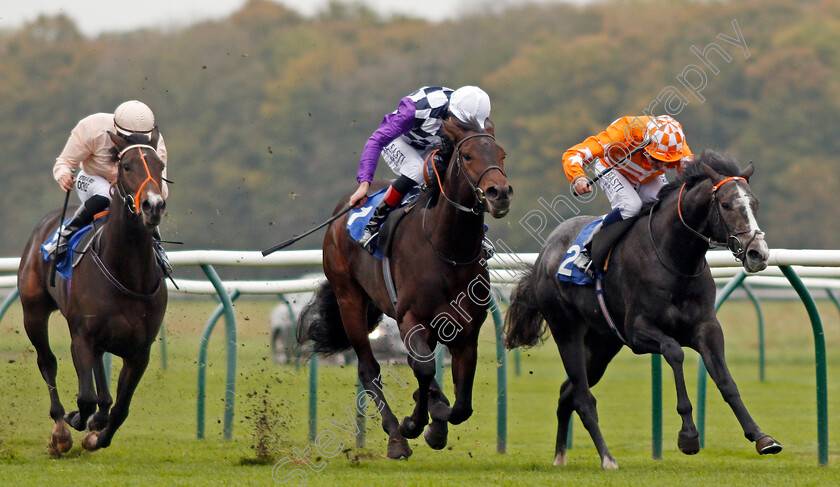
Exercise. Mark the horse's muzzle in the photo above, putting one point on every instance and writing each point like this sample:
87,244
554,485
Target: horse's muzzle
497,199
756,255
152,210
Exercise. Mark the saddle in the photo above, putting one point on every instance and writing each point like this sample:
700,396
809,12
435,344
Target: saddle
389,228
77,246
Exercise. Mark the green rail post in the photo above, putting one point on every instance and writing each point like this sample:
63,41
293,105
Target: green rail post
162,346
313,398
360,417
757,304
819,360
202,363
656,405
8,302
724,293
830,293
293,319
440,355
501,378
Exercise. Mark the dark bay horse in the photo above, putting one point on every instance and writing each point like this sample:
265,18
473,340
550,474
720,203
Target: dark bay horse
436,259
658,290
114,303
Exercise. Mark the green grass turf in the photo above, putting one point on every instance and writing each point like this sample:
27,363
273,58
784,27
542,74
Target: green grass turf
157,444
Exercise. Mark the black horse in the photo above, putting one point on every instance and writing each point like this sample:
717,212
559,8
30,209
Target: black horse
114,303
659,290
436,258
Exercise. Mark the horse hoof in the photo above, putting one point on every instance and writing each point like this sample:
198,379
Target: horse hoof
436,434
398,449
560,460
459,415
766,445
689,444
74,420
60,440
89,442
409,429
609,463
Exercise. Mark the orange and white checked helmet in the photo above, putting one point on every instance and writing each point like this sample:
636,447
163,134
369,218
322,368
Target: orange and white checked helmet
667,139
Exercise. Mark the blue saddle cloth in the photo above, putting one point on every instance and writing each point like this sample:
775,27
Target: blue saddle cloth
567,271
359,218
64,267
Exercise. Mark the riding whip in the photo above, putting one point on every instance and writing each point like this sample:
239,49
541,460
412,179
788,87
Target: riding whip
292,240
58,239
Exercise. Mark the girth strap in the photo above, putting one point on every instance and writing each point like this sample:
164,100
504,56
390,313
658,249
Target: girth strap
599,293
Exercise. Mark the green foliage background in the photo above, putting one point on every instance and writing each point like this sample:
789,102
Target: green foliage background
265,113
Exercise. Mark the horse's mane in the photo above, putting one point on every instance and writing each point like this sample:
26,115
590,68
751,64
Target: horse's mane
695,174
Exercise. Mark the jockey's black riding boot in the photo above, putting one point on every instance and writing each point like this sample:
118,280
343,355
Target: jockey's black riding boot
584,260
83,217
372,229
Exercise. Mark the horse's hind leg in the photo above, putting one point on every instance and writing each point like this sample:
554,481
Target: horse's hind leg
353,308
130,375
103,395
572,351
600,353
35,319
711,349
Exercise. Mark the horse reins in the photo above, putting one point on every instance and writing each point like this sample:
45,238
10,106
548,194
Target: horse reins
733,244
128,200
478,207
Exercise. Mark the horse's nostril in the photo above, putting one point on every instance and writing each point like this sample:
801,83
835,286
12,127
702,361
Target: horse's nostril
753,254
146,206
510,191
492,193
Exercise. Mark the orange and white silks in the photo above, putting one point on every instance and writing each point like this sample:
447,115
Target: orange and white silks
621,138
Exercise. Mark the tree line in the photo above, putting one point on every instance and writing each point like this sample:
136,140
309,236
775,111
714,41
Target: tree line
265,112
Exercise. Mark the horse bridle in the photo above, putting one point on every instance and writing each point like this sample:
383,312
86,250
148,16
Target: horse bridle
733,243
477,209
124,195
480,198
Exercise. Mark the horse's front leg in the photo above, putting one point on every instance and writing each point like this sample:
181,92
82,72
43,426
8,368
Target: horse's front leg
83,357
103,394
422,362
711,348
130,375
464,358
649,339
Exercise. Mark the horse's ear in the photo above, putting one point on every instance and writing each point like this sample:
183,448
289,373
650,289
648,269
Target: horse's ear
118,141
748,171
490,127
452,129
155,137
715,176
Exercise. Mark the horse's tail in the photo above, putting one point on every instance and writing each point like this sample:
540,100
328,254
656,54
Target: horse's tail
524,326
320,322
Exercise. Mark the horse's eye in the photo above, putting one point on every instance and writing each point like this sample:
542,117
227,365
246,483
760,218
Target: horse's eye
726,206
467,157
126,167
